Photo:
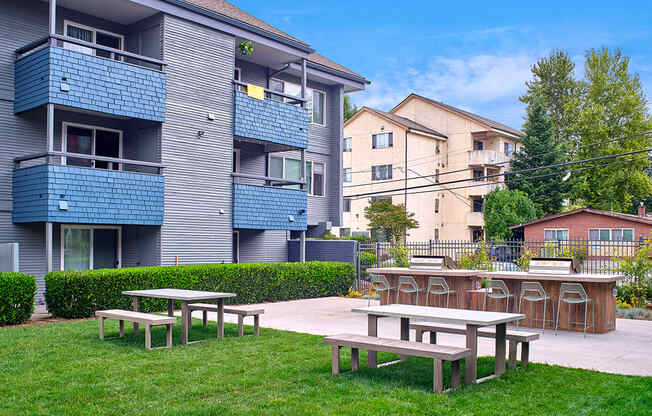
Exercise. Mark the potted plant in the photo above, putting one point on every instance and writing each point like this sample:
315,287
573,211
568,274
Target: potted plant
246,47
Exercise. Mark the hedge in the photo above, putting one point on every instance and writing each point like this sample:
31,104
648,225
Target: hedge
78,294
17,293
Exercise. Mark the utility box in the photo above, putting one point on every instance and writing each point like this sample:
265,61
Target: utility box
9,257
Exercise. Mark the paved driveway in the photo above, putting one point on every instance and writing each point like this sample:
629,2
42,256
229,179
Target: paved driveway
628,350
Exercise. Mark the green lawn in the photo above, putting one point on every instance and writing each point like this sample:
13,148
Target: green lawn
63,368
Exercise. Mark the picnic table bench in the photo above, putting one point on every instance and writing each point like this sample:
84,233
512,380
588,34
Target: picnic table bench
438,353
146,319
514,337
241,311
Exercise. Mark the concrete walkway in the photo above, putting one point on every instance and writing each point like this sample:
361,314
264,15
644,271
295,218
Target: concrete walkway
628,350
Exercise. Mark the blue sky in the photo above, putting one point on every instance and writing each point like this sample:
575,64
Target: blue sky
474,55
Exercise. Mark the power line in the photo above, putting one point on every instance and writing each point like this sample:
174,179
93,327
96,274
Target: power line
496,175
485,183
648,133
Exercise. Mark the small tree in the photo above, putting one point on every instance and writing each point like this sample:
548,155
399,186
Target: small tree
504,208
637,269
394,222
349,109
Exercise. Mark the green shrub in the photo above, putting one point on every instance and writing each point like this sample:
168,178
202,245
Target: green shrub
358,238
77,294
17,293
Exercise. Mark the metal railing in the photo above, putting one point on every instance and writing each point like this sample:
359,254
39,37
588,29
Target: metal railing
112,163
596,257
59,40
273,95
250,179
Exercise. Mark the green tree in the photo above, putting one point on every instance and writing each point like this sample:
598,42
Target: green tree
553,80
612,105
349,109
504,208
392,220
540,148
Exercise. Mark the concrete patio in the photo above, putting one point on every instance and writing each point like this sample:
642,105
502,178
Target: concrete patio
624,351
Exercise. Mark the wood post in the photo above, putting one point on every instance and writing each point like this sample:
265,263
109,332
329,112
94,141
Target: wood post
204,318
372,331
355,359
168,335
438,376
135,303
512,354
122,328
419,335
472,360
101,324
220,318
184,322
256,325
499,363
335,359
525,353
148,337
240,325
455,374
405,334
433,337
170,307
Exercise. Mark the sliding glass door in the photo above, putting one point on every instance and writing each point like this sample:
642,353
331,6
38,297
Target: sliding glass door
92,141
90,247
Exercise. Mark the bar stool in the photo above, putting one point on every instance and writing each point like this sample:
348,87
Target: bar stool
434,283
536,287
581,297
380,284
411,284
504,293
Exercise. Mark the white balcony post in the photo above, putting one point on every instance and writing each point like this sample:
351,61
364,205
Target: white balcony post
48,245
302,247
304,72
53,20
303,170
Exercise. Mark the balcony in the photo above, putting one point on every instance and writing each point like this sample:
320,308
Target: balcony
279,121
49,72
487,158
475,219
75,194
483,188
260,207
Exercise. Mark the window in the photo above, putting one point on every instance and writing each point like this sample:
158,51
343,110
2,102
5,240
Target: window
381,172
382,140
318,110
436,205
436,234
348,176
348,144
92,35
437,175
509,149
381,198
478,175
92,141
318,187
478,145
345,232
555,235
477,204
613,234
86,247
477,234
290,169
316,99
347,205
437,149
237,73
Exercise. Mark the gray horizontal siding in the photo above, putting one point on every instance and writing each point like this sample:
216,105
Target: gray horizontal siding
263,246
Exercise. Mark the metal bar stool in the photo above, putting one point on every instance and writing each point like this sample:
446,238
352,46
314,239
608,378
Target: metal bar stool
536,294
501,287
407,284
580,297
380,284
439,282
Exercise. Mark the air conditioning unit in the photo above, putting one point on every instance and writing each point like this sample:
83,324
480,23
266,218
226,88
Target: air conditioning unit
9,257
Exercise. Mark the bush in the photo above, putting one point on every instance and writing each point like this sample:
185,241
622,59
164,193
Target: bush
358,238
78,294
17,293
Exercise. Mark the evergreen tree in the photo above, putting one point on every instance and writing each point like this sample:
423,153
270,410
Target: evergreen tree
349,109
612,105
540,148
553,80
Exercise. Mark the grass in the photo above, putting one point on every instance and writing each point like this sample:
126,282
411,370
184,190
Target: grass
63,368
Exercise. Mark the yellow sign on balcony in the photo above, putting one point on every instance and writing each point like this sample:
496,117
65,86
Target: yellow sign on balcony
254,91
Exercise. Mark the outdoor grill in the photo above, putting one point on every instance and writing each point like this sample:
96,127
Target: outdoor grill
432,262
550,265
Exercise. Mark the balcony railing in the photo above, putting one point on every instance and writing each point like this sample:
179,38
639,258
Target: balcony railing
475,219
278,119
50,192
488,158
124,84
482,188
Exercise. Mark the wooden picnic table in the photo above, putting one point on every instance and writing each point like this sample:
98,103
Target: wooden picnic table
472,319
186,297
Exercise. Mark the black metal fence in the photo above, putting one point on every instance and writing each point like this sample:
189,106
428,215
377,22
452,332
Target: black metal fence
599,257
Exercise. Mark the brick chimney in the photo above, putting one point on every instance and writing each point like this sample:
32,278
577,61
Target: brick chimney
641,209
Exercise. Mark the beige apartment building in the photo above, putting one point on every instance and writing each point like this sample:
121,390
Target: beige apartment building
405,153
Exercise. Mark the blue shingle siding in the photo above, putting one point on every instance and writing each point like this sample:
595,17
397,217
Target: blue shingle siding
94,83
270,121
94,196
267,208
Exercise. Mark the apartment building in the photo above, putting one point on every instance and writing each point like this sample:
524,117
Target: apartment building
133,134
404,155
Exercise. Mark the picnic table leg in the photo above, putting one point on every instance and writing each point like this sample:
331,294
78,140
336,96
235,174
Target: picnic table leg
170,307
122,328
472,360
501,349
220,318
372,331
512,354
184,322
101,326
135,304
405,334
